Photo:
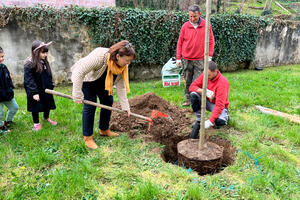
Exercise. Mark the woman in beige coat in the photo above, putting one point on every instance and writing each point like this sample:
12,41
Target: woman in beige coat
94,76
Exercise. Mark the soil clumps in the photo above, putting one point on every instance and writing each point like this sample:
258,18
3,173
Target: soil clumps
167,131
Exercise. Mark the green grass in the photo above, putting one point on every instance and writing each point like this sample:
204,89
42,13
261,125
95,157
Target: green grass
54,163
256,8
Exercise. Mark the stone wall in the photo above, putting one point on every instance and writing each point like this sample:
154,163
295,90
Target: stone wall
59,3
279,44
70,43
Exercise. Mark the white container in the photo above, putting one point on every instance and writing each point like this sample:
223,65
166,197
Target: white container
170,74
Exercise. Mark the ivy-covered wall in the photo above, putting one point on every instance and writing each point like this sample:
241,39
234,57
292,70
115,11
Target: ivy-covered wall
59,3
76,31
20,27
160,4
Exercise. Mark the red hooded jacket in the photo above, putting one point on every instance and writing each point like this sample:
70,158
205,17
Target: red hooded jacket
220,86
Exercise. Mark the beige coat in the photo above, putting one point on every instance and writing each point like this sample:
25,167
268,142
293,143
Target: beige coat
90,68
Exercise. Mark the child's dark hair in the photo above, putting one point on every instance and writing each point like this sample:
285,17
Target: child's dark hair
36,60
1,50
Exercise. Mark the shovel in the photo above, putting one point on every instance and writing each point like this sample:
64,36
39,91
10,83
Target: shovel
154,114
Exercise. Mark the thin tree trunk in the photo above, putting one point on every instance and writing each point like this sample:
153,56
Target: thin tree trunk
242,5
270,5
135,4
248,5
203,95
218,5
225,3
266,4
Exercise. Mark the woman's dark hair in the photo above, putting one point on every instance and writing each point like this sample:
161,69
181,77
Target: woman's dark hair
36,60
123,48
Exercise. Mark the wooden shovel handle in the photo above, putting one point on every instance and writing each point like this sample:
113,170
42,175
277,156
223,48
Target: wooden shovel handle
97,105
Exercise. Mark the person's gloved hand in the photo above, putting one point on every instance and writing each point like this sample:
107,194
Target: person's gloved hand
208,124
210,94
178,63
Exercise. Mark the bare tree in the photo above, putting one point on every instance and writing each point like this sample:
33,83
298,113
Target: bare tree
225,4
219,2
242,5
270,5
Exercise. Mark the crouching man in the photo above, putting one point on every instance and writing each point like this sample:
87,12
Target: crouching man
216,99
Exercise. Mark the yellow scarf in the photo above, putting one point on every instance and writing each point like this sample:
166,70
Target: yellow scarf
113,69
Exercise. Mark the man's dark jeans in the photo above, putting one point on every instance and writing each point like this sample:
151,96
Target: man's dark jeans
88,112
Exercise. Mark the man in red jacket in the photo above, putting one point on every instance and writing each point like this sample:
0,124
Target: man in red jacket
190,48
216,102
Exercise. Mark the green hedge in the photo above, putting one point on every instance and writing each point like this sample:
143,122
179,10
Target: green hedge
236,37
149,4
153,33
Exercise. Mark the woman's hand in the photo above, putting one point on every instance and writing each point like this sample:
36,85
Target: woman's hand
128,113
78,101
36,97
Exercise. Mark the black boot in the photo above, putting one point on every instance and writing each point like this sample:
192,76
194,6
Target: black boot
219,123
195,131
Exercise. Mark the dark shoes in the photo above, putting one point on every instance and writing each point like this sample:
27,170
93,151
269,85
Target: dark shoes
8,123
218,123
195,131
4,129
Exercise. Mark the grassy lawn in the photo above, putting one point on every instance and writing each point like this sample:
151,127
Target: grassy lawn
54,163
250,7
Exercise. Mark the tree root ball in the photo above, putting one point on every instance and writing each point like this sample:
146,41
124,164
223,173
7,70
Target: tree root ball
204,161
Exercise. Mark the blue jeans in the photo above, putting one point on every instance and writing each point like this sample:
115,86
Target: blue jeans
88,112
12,110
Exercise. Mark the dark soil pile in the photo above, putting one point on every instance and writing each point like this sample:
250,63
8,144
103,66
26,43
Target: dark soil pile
177,121
168,131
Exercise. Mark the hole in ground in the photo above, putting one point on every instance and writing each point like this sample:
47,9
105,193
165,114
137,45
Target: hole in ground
170,153
167,131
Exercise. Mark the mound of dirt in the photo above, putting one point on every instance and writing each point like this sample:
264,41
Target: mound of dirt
162,127
168,131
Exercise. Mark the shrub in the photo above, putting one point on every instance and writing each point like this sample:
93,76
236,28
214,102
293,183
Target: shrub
153,33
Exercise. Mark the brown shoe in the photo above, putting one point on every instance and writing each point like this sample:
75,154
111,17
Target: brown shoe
89,142
187,103
108,133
